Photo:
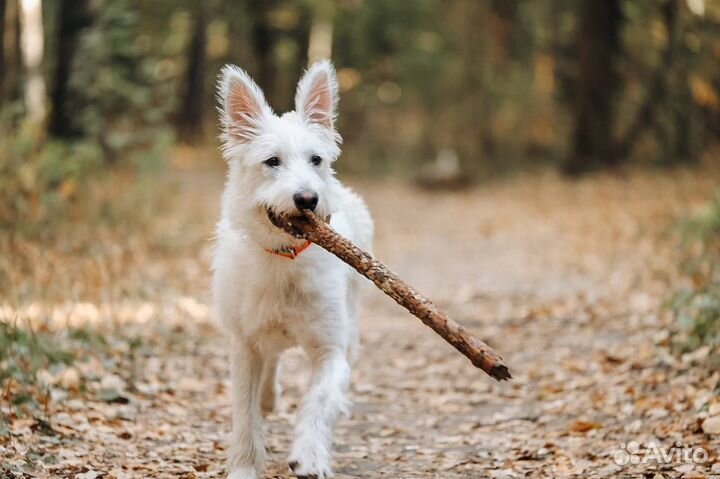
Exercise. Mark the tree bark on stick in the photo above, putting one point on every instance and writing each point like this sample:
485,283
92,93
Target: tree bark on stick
312,228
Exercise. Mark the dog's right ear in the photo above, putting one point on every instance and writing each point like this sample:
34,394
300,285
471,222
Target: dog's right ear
317,95
242,105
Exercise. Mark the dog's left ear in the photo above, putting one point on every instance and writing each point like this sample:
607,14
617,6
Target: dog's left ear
317,95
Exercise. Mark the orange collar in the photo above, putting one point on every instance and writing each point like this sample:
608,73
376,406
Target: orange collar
289,252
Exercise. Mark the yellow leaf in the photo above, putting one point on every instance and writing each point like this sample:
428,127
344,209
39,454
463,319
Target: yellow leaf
703,92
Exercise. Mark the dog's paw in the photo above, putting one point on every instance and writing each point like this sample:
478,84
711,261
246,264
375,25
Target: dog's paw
310,465
243,472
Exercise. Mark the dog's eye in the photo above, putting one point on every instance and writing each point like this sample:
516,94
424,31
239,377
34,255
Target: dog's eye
316,160
273,162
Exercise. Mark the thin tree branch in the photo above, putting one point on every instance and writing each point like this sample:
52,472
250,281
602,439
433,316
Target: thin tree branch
312,228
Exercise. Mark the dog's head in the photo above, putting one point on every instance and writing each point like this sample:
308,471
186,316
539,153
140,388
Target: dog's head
279,163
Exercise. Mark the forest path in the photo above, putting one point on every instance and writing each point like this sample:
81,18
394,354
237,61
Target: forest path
566,279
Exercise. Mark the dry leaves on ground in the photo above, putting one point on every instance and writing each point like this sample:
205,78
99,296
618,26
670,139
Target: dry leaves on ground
566,279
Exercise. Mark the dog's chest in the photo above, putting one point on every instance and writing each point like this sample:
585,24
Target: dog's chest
279,301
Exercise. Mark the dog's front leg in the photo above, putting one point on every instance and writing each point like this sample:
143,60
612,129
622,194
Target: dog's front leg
320,408
247,452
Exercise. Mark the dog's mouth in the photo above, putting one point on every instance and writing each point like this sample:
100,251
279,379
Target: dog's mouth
282,221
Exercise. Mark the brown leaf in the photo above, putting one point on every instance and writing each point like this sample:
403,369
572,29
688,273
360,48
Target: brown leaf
584,426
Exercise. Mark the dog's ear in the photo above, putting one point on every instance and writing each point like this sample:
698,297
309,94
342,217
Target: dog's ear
317,95
242,104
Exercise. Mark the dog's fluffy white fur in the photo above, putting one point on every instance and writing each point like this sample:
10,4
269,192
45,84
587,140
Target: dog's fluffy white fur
268,303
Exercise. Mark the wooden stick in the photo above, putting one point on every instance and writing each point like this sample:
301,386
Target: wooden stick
310,227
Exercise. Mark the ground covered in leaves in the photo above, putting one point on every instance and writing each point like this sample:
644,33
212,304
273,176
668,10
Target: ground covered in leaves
113,367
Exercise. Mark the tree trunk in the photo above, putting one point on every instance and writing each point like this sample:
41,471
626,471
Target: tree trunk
598,43
3,4
321,31
32,46
261,38
11,52
73,16
190,117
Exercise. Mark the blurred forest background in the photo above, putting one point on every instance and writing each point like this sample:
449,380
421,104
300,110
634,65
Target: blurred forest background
444,90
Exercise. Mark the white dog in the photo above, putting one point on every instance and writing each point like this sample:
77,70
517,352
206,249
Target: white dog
273,291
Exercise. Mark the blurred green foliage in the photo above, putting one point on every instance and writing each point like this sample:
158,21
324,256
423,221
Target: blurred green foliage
496,82
119,90
119,97
24,352
477,78
39,179
697,306
33,362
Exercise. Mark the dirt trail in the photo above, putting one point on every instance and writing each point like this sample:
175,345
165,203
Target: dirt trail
566,280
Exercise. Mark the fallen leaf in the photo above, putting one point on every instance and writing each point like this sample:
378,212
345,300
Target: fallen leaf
584,426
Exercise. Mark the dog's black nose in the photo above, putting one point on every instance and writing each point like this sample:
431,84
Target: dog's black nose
305,200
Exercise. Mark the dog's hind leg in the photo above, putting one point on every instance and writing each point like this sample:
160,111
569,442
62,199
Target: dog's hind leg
322,404
270,384
247,452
